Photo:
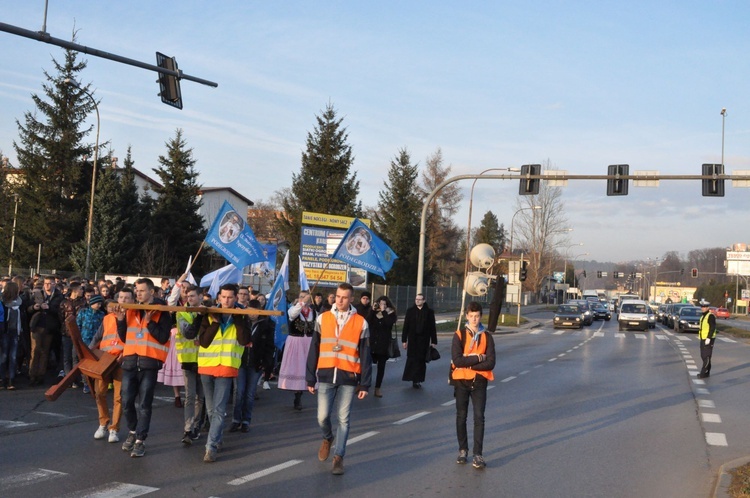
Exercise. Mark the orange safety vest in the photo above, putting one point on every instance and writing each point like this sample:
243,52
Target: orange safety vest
340,352
472,347
111,342
139,341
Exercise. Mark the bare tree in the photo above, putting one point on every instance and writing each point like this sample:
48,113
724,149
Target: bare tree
538,232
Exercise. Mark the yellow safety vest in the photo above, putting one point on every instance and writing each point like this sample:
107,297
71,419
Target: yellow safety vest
222,358
187,349
704,330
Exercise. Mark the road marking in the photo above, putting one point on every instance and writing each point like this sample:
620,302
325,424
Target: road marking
362,437
113,490
559,332
524,372
569,351
706,403
263,473
716,439
13,424
668,332
619,335
713,418
449,403
491,387
662,337
535,332
561,355
552,359
640,336
538,366
726,339
508,379
700,382
59,415
409,419
701,390
27,478
683,338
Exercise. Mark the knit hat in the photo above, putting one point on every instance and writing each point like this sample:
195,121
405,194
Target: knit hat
96,299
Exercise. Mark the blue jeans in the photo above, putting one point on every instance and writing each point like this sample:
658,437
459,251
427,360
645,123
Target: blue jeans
193,409
327,396
216,390
244,394
8,352
139,383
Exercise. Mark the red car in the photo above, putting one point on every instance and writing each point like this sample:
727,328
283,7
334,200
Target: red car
719,312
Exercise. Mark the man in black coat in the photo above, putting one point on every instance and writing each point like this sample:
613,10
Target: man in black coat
418,332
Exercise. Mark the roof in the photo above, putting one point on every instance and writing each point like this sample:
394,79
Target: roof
228,189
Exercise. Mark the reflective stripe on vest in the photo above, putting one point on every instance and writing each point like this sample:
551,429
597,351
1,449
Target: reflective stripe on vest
187,349
346,358
139,340
111,342
704,329
223,351
472,347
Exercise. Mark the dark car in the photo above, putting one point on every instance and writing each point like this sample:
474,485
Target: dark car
568,316
674,313
660,312
601,311
588,314
689,319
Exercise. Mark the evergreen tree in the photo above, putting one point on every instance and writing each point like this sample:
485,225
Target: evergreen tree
177,228
325,183
56,169
398,216
491,232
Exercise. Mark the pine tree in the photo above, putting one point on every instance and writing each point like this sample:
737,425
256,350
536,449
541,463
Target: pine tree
325,183
398,217
56,168
177,228
491,232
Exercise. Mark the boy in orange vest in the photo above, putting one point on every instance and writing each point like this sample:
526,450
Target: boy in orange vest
472,359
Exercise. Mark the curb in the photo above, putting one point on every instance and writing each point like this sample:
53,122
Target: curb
724,479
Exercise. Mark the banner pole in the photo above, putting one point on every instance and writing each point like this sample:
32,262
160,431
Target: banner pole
195,258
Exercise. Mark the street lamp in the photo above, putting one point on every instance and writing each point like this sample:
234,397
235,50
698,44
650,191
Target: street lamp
75,84
565,269
513,220
723,118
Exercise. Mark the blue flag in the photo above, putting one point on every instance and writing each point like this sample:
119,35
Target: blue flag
361,248
277,301
232,238
226,275
303,284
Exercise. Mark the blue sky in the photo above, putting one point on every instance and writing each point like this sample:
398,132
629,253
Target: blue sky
493,84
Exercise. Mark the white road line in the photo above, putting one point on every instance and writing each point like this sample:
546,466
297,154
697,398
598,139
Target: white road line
535,332
12,424
662,337
552,359
31,477
716,439
683,338
726,339
559,332
561,355
113,490
713,418
409,419
640,336
569,351
699,382
668,332
598,334
361,437
706,403
508,379
59,415
538,366
263,473
491,387
701,390
619,335
449,403
524,372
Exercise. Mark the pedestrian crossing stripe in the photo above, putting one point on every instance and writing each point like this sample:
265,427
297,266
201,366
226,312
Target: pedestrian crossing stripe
112,489
14,424
26,478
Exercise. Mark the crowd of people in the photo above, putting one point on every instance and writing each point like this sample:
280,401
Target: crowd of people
215,357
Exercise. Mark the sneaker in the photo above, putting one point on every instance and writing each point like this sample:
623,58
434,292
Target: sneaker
101,432
462,454
86,389
139,449
195,434
478,462
245,428
338,465
113,437
187,439
74,385
266,386
61,374
129,442
210,456
324,450
234,427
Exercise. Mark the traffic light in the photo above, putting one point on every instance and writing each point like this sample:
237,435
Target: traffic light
617,186
169,86
598,274
530,186
694,272
616,275
584,273
522,274
713,187
682,271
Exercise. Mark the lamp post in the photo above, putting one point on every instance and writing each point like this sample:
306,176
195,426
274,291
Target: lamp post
578,256
75,84
565,268
520,264
723,118
13,237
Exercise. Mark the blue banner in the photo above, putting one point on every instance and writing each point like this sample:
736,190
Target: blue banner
232,238
229,274
360,247
277,301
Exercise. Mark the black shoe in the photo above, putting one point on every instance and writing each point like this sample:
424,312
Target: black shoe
129,442
234,427
195,434
462,455
416,385
245,428
187,439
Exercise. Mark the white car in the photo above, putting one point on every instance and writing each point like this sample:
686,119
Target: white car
633,314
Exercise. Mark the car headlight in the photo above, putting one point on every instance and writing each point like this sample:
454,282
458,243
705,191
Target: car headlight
557,318
682,322
578,319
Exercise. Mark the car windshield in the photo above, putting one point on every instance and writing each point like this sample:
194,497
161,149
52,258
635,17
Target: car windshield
690,312
633,308
568,309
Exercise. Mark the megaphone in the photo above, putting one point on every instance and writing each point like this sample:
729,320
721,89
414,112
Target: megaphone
476,283
482,255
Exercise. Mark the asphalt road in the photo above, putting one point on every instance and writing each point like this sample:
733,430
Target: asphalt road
571,413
